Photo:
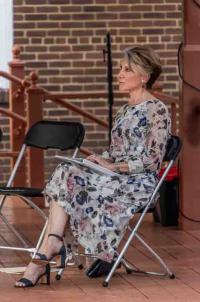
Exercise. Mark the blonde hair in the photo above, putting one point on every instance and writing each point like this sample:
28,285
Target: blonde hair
144,56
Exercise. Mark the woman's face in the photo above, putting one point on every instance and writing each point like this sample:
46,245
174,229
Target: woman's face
129,79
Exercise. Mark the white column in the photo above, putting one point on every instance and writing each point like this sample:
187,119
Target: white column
6,37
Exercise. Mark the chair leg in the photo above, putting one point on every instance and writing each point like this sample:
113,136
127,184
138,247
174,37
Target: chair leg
117,262
159,259
25,244
12,229
129,267
132,269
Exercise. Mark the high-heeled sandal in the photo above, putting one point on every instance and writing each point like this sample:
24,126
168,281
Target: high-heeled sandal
28,283
60,256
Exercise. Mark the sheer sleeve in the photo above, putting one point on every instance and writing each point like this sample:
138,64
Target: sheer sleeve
150,148
108,154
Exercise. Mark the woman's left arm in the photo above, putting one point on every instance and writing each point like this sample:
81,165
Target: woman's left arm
151,149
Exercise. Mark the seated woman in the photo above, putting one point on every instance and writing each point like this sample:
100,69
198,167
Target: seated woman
100,206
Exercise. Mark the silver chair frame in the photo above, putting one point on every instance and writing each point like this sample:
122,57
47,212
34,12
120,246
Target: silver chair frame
120,257
28,201
25,248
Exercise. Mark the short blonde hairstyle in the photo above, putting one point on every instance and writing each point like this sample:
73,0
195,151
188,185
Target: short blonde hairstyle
144,57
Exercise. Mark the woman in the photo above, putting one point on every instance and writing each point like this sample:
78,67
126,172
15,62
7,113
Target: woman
101,206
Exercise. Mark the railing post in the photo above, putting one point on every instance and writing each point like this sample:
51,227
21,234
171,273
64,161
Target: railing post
17,105
35,163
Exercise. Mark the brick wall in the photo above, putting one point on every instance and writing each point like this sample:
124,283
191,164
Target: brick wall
63,40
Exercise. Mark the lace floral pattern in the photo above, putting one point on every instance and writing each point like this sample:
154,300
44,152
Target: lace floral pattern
101,206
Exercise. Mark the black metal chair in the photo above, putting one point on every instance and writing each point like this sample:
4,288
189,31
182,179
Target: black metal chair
173,149
43,135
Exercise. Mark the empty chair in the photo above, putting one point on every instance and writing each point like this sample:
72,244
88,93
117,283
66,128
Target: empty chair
43,135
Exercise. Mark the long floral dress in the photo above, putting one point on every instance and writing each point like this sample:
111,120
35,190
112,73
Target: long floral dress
101,206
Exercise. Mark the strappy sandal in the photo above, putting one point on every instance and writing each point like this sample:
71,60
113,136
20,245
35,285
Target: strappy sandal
28,283
60,256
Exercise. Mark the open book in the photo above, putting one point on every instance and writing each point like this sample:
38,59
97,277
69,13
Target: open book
88,164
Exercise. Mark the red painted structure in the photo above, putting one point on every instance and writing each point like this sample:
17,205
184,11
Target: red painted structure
190,116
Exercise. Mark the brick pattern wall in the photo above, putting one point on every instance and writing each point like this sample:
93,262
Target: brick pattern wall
63,40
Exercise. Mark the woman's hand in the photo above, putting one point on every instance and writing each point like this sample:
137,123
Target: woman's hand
101,161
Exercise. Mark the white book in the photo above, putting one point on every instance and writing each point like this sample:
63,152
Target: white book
89,164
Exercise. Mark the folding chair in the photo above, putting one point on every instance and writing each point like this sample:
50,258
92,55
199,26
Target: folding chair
172,151
173,148
43,135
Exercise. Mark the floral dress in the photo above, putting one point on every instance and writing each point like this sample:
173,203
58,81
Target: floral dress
101,206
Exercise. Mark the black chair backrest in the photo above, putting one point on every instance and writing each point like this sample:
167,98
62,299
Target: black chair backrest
56,135
174,145
1,135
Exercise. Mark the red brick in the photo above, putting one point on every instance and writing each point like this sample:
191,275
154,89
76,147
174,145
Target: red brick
130,15
82,32
47,9
82,47
165,7
48,56
107,16
164,23
81,2
36,40
71,8
59,48
31,17
58,32
174,15
58,2
36,33
36,48
93,8
48,24
49,72
95,24
70,24
153,31
118,8
59,17
31,2
62,64
24,25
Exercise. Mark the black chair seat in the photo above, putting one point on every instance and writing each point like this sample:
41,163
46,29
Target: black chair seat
29,192
150,210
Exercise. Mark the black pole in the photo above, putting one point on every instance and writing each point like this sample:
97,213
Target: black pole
108,51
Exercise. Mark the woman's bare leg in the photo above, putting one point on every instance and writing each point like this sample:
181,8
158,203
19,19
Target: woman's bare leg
50,245
56,225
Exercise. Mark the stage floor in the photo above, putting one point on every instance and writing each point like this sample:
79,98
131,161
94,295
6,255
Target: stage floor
180,249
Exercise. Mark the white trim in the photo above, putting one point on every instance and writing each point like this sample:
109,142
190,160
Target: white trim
6,37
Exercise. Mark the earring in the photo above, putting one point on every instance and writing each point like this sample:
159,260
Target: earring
143,83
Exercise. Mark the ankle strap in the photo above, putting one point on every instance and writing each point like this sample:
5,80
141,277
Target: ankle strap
57,236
